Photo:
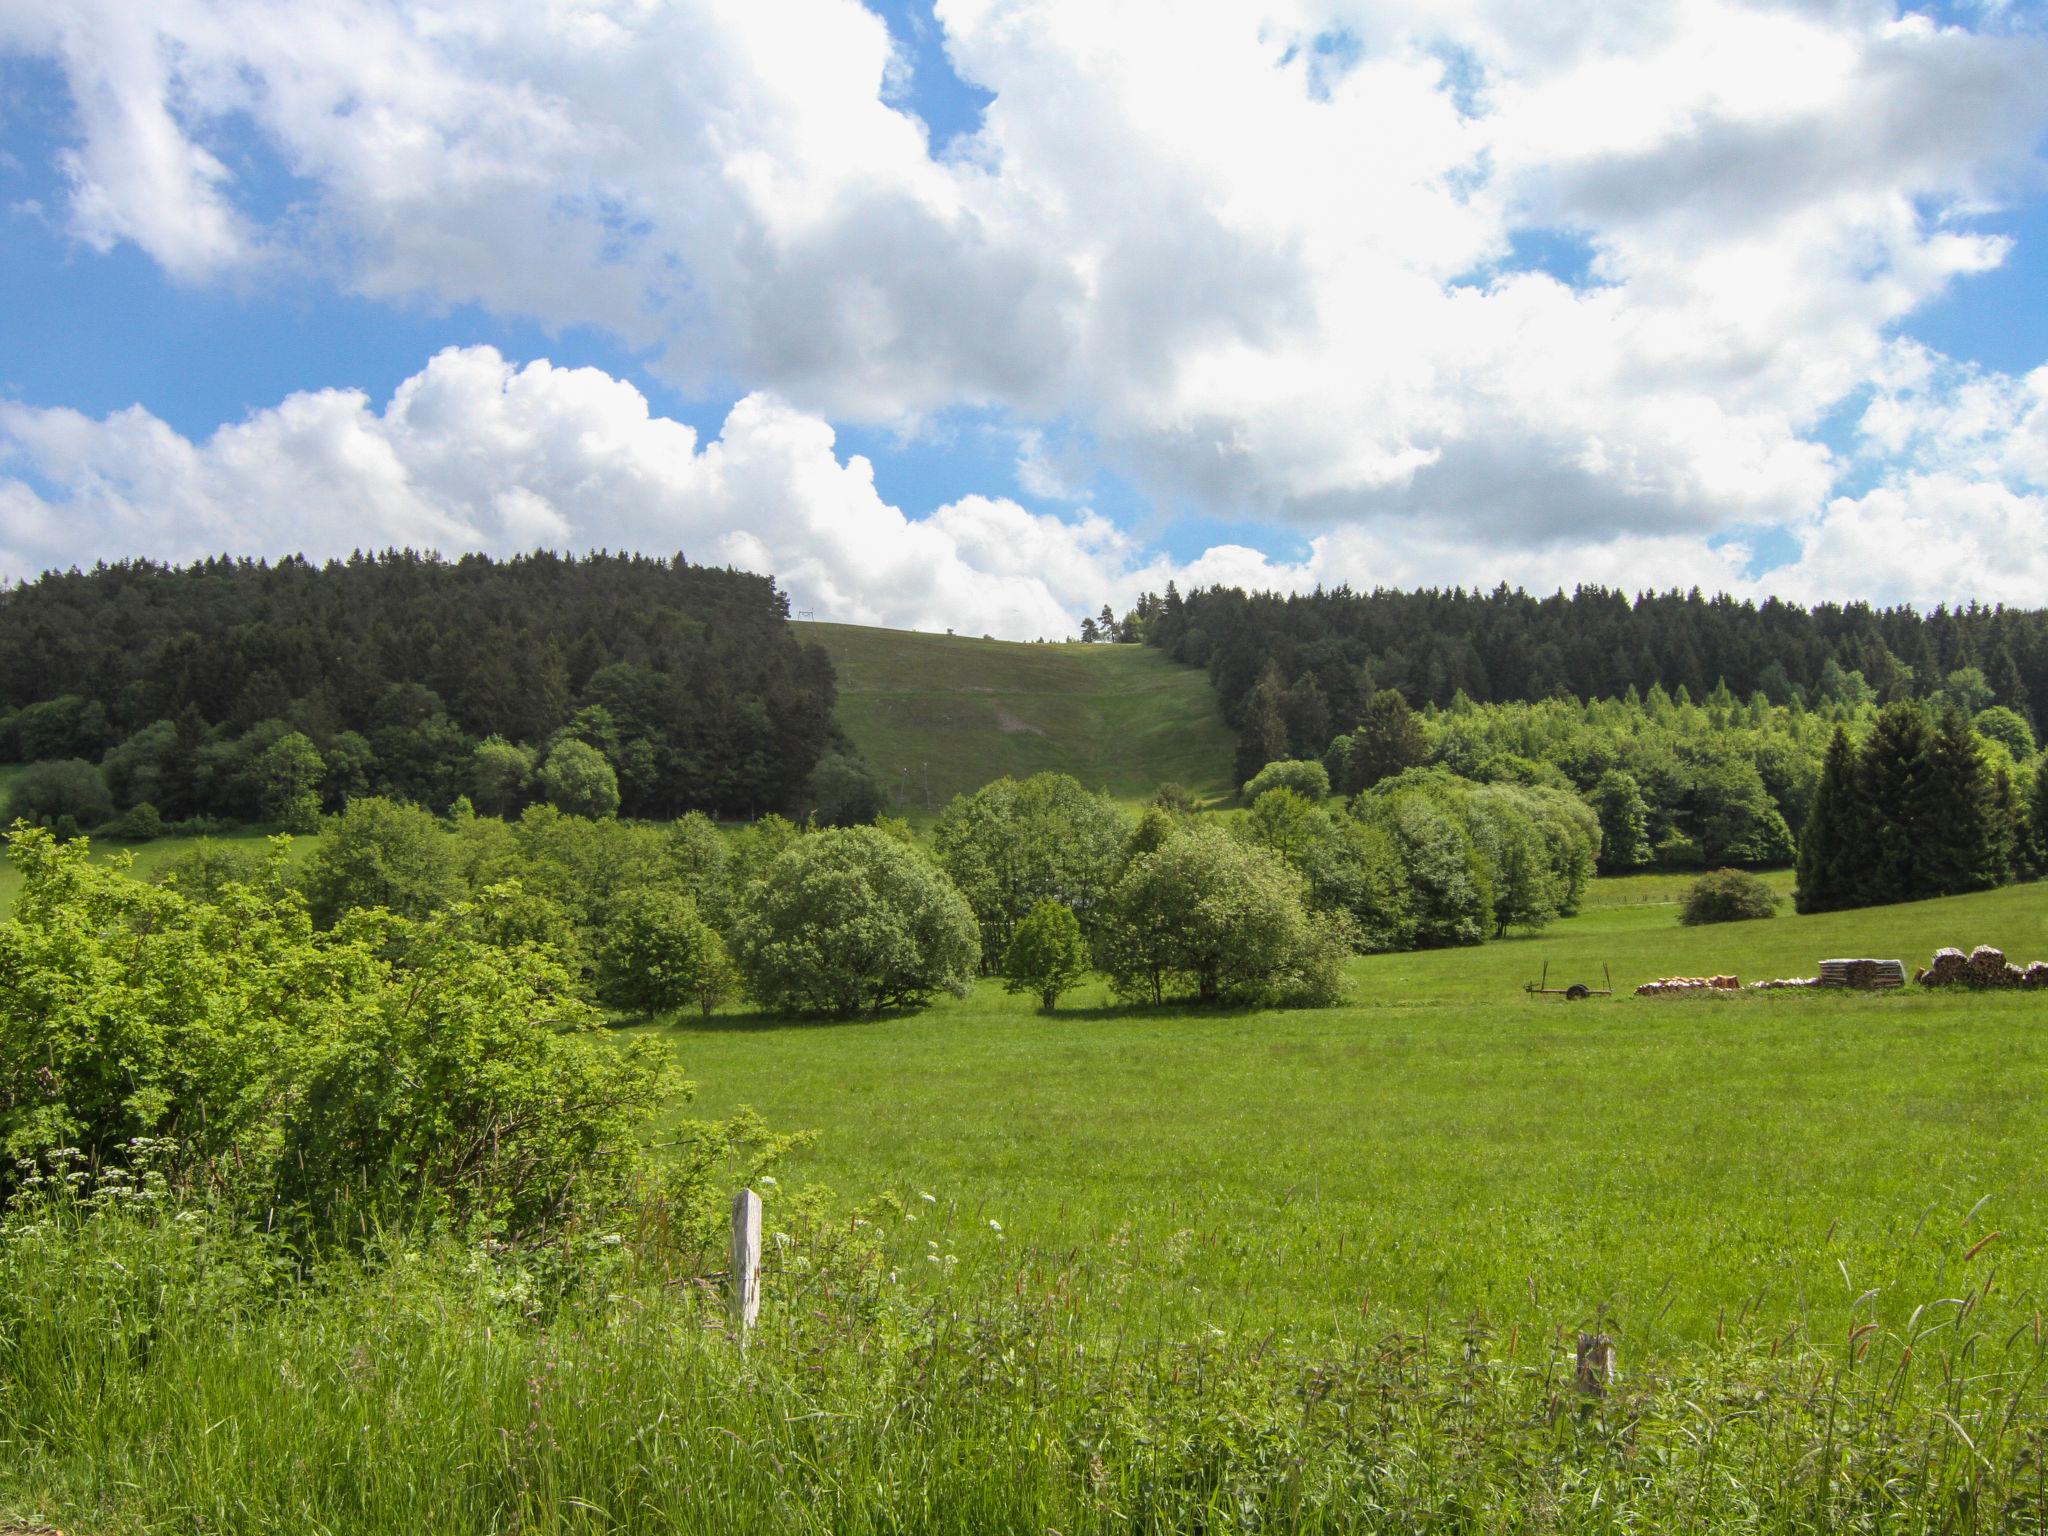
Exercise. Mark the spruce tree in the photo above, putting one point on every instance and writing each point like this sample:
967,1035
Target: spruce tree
1894,774
1834,842
1387,740
2031,857
1262,737
1956,838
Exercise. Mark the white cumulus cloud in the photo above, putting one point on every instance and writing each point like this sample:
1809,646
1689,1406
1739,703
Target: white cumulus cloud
1271,259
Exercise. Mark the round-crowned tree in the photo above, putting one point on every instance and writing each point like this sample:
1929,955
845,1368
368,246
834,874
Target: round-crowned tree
382,854
1047,955
852,921
67,791
1310,780
658,955
577,779
1217,916
1727,896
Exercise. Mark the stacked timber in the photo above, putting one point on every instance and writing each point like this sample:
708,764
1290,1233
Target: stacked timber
1984,968
1671,984
1784,983
1866,975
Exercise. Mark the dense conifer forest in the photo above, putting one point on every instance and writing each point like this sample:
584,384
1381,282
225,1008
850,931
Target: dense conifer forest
1321,655
388,672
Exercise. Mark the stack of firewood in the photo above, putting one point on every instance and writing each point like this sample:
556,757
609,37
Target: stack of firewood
1866,974
1983,967
1688,984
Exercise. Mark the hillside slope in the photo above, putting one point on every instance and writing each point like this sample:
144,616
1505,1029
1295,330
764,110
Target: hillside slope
943,714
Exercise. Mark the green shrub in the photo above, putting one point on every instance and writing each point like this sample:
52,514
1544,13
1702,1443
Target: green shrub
1017,842
849,921
382,854
138,824
1727,896
845,791
1310,780
1212,915
577,780
657,955
389,1075
1047,954
49,792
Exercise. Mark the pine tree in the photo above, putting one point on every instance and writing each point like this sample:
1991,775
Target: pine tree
1833,845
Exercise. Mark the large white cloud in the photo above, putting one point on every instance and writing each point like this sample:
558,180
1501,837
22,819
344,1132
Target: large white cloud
1261,253
475,452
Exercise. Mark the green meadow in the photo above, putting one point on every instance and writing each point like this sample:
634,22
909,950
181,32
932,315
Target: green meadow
1447,1147
940,715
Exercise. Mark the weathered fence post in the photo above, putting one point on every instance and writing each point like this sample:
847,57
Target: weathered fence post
746,1260
1595,1363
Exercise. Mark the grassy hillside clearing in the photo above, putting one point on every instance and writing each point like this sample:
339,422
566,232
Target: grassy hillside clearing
1447,1148
940,715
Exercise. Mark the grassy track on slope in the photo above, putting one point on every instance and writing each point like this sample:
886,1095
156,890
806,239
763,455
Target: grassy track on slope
1449,1148
950,713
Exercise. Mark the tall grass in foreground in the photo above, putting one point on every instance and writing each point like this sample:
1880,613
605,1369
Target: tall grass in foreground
158,1372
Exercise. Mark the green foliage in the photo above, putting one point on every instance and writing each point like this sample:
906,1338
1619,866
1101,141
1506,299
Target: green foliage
1262,731
68,792
389,1075
1727,896
1310,780
1450,893
380,854
711,700
138,824
1387,740
288,776
1176,799
1014,843
499,773
576,780
204,871
657,955
1617,799
2009,728
845,791
1215,917
849,921
1046,955
1915,812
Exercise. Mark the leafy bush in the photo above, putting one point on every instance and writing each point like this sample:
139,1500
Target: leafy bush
207,868
1047,955
382,854
1017,842
1310,780
1727,896
850,921
138,824
389,1075
49,792
657,955
576,779
845,791
1211,914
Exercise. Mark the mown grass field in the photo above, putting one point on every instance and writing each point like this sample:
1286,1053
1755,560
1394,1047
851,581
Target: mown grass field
941,715
1447,1149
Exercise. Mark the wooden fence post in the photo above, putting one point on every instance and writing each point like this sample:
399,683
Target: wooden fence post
746,1260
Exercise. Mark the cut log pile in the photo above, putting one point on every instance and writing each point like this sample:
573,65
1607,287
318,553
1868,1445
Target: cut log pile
1983,967
1672,984
1783,982
1866,974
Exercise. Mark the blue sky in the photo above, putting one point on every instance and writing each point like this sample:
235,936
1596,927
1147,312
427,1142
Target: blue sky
1361,304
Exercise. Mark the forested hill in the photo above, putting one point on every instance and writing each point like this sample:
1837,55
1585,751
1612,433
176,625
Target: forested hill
1329,651
394,667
